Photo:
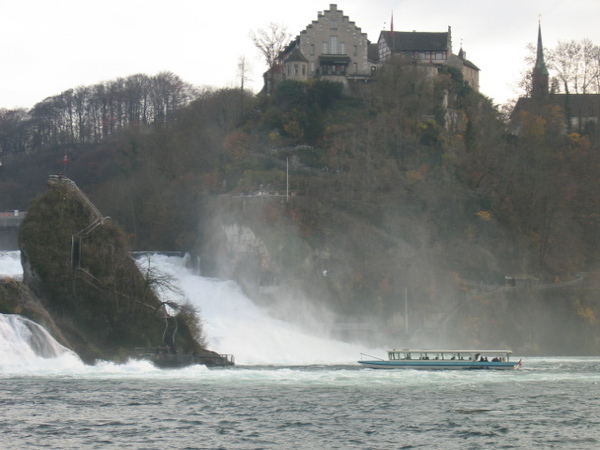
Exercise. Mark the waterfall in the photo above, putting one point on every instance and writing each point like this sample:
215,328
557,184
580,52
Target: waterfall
25,344
232,323
20,337
10,265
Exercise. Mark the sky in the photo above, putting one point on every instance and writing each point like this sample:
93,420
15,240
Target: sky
49,46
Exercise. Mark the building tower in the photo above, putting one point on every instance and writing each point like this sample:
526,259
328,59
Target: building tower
539,76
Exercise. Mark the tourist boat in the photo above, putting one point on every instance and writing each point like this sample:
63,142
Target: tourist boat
444,360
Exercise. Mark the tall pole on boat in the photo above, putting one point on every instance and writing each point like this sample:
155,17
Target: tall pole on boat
406,310
287,179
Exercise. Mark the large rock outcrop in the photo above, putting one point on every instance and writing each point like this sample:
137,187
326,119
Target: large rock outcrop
78,264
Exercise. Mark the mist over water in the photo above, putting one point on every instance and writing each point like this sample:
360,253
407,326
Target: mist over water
234,324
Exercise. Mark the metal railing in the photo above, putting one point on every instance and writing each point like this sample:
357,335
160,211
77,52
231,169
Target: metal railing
70,183
11,219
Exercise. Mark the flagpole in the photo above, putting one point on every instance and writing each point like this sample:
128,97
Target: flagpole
392,34
406,310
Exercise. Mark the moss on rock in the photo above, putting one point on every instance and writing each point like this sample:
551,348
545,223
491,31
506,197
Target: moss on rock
78,264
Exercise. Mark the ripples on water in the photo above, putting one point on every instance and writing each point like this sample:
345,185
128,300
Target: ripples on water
60,403
549,404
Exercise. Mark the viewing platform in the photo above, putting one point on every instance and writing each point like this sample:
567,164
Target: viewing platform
11,219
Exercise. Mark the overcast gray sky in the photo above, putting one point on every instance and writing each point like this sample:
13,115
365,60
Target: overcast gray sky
49,46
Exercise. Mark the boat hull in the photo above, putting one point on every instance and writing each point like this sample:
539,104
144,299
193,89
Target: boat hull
439,365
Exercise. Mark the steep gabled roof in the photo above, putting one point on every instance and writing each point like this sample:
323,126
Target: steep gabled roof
332,8
585,105
416,41
296,56
575,105
463,57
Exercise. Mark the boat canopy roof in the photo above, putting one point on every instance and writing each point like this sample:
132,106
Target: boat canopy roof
484,352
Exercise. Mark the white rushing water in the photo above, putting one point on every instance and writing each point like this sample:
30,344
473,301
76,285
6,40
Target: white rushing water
10,265
27,347
232,324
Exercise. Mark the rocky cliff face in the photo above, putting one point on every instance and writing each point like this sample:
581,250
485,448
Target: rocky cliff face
400,280
314,265
255,241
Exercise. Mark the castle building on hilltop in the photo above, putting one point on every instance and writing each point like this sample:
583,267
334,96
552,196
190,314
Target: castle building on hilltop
331,47
580,112
427,49
334,48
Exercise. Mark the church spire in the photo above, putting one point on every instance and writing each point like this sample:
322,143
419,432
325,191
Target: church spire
539,76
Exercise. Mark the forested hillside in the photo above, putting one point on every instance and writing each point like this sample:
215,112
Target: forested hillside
400,186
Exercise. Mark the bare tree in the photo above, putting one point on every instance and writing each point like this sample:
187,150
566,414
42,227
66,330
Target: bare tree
15,133
271,42
243,69
574,68
577,65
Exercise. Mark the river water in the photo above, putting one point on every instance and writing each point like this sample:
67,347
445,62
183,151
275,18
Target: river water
290,389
